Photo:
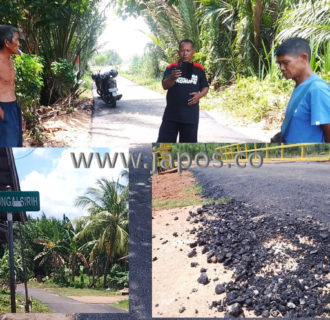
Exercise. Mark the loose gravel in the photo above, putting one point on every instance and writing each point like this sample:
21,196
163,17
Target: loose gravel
280,263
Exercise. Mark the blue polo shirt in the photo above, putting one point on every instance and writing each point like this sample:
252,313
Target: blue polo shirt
311,113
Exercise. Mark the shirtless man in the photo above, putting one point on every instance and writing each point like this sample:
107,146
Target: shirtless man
10,112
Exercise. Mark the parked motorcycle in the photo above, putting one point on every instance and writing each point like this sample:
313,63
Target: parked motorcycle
106,86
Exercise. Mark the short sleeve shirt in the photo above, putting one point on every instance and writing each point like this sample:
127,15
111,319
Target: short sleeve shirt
311,113
177,108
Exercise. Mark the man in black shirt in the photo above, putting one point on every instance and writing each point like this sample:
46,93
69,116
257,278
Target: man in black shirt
184,92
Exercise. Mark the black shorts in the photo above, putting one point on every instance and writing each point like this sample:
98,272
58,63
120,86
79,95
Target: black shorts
169,130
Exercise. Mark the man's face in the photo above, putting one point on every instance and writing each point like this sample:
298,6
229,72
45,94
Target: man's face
186,52
292,66
13,46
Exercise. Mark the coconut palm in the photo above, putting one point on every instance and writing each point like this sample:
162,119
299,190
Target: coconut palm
105,229
306,20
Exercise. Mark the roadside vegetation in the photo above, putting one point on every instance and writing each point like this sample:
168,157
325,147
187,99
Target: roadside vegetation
83,256
235,43
5,307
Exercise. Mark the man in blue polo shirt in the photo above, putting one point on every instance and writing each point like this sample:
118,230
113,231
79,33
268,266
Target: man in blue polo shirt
308,112
185,89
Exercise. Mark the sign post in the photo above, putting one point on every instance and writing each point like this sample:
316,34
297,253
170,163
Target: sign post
11,262
16,201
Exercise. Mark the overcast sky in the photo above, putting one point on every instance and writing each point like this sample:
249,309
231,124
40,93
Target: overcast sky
51,172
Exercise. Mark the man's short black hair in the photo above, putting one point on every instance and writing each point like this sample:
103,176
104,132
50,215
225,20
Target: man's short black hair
293,46
186,41
6,33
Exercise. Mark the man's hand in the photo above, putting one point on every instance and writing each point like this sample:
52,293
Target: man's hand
195,98
169,82
2,114
176,73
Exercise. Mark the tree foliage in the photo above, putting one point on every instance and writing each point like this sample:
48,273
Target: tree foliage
65,250
55,30
232,36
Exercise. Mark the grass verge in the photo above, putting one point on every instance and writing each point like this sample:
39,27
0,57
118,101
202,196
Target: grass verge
5,307
69,291
124,305
196,190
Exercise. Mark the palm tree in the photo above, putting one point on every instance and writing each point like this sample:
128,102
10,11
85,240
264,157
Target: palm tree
105,229
306,20
54,251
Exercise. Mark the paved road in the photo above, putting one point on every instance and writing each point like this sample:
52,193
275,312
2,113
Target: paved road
138,116
62,304
296,188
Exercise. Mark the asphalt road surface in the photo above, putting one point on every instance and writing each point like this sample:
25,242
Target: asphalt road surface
295,188
137,119
60,304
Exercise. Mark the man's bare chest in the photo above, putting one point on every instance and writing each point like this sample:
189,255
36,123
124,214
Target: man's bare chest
7,73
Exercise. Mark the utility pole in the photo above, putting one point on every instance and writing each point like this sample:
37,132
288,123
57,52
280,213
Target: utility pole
11,258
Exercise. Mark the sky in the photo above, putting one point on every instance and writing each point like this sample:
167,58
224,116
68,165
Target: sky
51,172
127,37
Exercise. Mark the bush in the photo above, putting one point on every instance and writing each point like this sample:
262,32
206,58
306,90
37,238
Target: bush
29,81
118,277
252,99
61,277
64,78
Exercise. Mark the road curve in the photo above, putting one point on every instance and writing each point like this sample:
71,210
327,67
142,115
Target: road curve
60,304
137,119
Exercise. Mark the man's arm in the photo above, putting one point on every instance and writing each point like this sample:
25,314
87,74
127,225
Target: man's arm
196,96
326,132
169,82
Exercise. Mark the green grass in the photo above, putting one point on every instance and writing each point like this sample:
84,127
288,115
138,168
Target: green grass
124,305
151,83
5,307
170,204
251,99
68,291
87,86
188,191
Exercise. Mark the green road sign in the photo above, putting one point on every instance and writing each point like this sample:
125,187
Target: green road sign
18,201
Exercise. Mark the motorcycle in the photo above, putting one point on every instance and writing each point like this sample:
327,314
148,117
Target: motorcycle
106,86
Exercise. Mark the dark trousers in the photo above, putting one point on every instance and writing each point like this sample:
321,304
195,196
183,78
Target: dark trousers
11,126
169,130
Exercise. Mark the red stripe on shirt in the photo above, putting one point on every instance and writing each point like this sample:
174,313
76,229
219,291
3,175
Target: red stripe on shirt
175,64
198,66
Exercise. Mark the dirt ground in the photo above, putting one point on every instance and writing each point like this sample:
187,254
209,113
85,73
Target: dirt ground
67,130
172,186
174,284
98,299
